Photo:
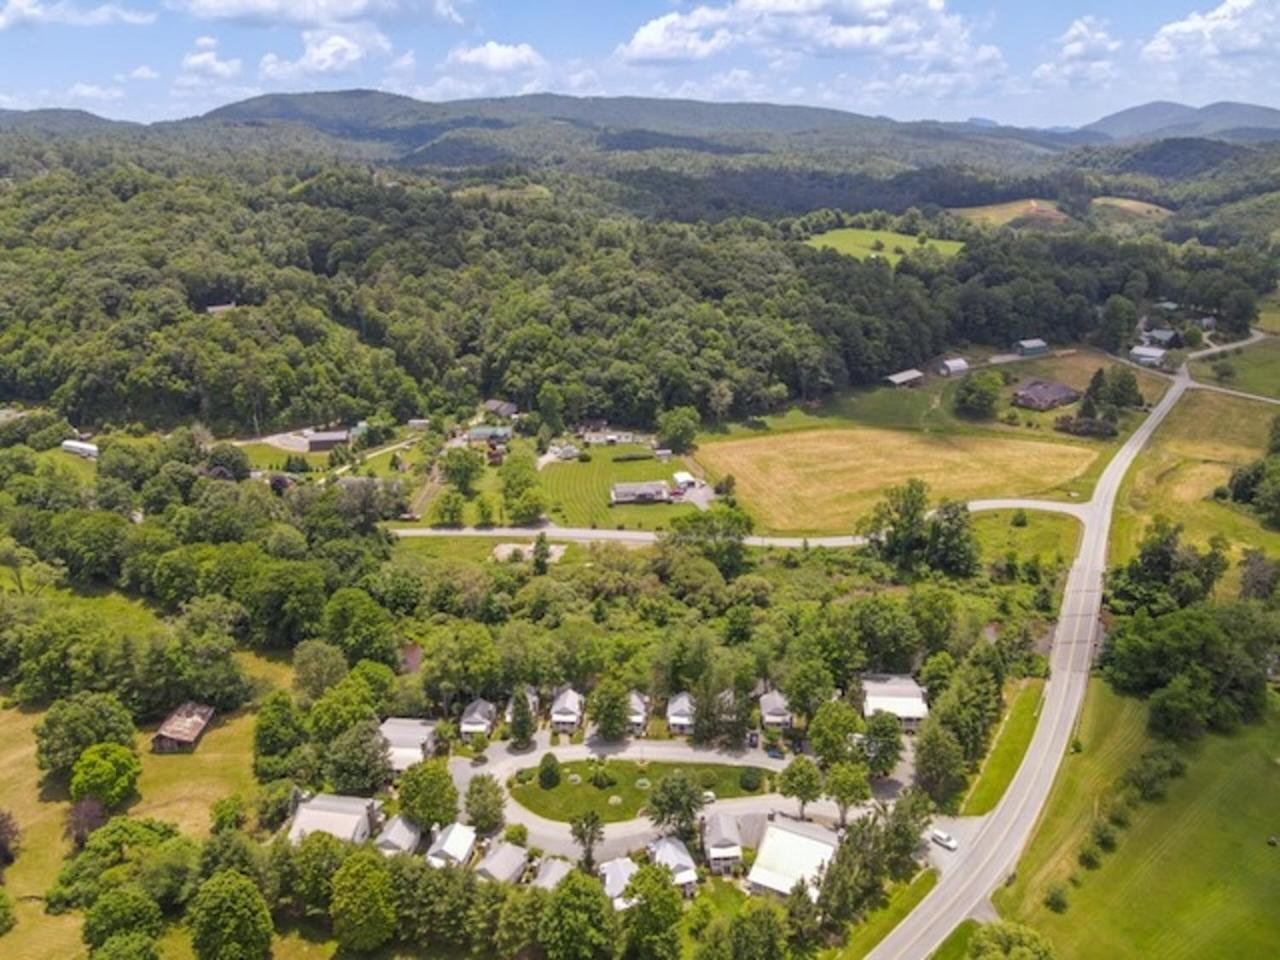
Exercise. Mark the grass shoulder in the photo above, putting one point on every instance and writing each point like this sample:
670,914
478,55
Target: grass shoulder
903,898
1007,750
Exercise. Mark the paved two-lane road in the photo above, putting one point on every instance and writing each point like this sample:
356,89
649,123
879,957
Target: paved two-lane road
987,858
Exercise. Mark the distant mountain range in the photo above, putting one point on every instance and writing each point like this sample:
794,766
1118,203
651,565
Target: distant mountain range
1163,120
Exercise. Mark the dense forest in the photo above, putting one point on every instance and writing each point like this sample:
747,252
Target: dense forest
361,291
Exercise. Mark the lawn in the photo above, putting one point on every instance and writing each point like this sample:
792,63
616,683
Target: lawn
904,898
263,456
1193,876
860,243
1257,369
579,492
1030,212
1127,214
1269,314
1048,536
725,900
956,946
1192,453
569,799
416,553
1010,746
825,480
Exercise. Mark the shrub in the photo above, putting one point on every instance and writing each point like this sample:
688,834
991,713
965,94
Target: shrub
1090,856
549,772
1151,774
1118,813
584,456
516,833
1056,898
1104,835
1019,518
601,778
750,779
707,778
7,919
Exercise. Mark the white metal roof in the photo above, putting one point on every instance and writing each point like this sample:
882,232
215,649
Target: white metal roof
670,852
504,863
408,739
616,874
789,853
1153,353
904,376
567,705
897,694
680,708
454,845
399,835
550,872
346,818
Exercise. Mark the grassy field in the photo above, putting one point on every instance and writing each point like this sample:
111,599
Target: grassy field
1020,213
956,946
413,552
1257,369
834,461
1197,864
860,243
569,799
879,923
1048,536
579,492
1269,314
825,480
1010,746
1193,452
1123,215
263,456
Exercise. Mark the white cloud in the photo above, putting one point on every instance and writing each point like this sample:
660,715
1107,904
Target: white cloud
328,50
1235,29
205,64
143,72
93,92
1084,56
696,35
14,13
447,10
314,11
497,57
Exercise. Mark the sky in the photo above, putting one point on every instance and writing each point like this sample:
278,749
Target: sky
1026,62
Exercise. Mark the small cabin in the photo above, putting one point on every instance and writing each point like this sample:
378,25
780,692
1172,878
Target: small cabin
183,728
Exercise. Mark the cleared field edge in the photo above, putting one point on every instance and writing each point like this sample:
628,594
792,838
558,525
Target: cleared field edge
880,923
1017,727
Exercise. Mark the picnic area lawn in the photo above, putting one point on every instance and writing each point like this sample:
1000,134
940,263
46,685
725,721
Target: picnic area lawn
863,243
566,801
1006,753
1193,452
1191,877
1257,369
903,898
579,492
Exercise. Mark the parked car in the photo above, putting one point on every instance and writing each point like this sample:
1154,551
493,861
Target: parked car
775,752
944,839
708,796
753,739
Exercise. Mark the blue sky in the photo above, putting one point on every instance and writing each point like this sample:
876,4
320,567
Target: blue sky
1017,61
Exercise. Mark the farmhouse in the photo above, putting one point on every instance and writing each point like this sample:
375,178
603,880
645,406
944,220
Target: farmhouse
1034,347
616,874
1044,395
637,713
349,819
1147,356
182,729
398,835
789,853
550,872
654,491
501,408
81,449
899,695
478,718
680,714
775,712
905,378
670,852
504,863
953,367
722,842
410,740
488,434
318,441
452,846
566,711
1163,337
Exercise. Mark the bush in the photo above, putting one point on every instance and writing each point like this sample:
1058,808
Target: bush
584,456
750,779
1056,898
1090,856
549,772
631,457
1104,835
7,919
1150,776
707,779
1118,813
516,833
601,778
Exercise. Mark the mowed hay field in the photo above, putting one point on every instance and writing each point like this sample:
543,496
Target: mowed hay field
825,480
861,243
1192,876
1030,212
1193,452
1257,369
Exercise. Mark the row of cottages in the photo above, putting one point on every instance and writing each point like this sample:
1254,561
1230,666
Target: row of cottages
669,852
567,713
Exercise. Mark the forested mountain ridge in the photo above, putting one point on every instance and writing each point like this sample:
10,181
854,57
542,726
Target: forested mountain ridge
365,291
1162,120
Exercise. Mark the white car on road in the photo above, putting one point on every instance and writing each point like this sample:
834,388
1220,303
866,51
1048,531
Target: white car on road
944,840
